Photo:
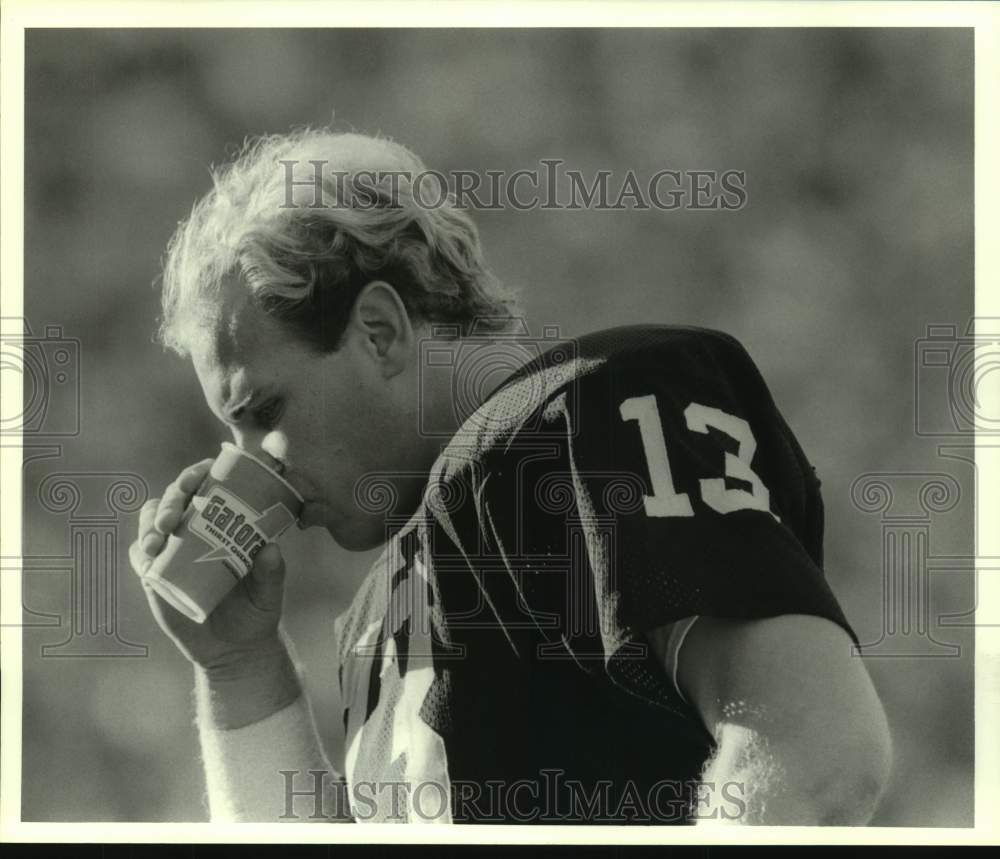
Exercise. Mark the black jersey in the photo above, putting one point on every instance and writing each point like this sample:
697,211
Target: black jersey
493,664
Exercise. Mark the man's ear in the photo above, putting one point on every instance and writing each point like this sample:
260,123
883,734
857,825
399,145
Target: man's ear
383,323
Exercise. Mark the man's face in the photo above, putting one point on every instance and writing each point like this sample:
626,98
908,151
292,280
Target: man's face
330,419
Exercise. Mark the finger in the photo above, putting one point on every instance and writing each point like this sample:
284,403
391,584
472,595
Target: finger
177,496
138,559
265,583
150,541
146,515
175,500
193,476
151,544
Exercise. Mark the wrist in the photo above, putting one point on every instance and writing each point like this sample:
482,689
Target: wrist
247,688
246,660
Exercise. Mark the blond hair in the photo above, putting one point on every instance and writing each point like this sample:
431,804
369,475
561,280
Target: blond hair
305,263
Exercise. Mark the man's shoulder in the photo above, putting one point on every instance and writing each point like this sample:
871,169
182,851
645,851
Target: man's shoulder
603,365
535,405
627,340
637,346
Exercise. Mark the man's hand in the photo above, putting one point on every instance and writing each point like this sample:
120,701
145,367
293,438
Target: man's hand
239,652
801,734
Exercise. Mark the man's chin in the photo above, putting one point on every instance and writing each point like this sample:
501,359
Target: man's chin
354,535
354,538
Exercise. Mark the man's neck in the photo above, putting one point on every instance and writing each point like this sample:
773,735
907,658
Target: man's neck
453,392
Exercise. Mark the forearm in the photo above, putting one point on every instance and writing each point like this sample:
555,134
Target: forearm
756,780
262,755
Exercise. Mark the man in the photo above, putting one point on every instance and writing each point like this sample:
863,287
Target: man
600,598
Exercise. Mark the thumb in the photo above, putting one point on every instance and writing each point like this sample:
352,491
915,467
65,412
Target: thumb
266,580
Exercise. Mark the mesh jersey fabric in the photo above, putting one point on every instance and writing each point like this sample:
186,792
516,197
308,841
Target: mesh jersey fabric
493,665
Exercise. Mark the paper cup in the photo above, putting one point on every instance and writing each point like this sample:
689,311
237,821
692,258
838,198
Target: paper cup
241,506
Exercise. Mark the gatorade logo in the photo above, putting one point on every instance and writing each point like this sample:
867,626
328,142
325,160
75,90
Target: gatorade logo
234,529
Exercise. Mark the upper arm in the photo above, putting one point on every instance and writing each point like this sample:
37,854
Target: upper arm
792,680
793,663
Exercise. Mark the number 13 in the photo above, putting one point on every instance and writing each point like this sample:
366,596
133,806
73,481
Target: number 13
665,500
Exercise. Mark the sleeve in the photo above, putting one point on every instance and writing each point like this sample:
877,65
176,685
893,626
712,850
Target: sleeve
272,769
676,632
673,489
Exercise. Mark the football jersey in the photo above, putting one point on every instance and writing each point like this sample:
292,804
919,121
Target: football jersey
493,665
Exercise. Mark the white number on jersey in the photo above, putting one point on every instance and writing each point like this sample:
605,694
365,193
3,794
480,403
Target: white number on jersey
665,500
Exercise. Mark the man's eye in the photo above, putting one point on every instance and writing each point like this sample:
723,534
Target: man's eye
269,413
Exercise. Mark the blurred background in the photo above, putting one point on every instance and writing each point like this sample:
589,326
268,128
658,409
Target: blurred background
857,235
